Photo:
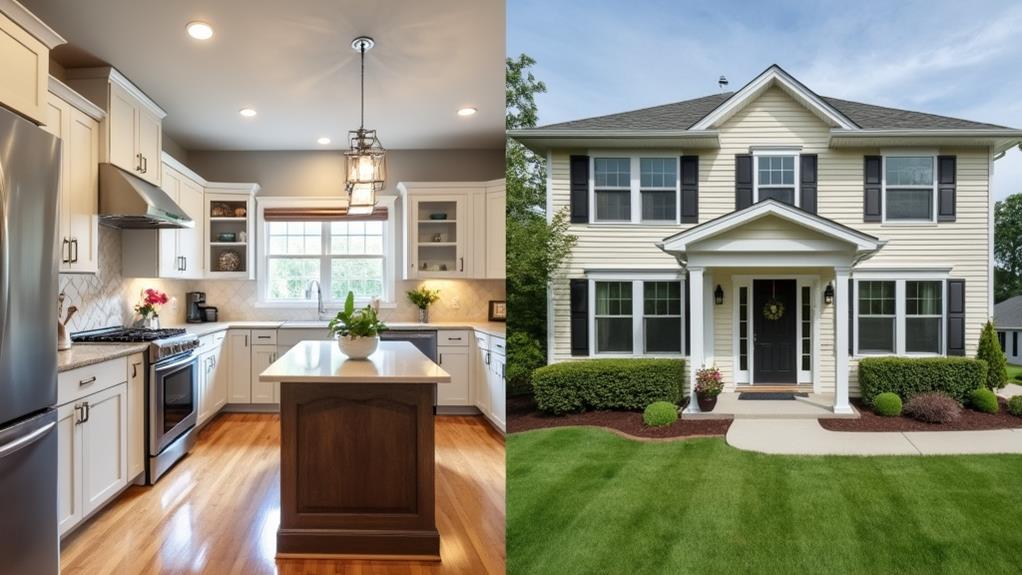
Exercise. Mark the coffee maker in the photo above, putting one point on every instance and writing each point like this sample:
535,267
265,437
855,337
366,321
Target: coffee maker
195,300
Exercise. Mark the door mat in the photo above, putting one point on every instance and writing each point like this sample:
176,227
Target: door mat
770,396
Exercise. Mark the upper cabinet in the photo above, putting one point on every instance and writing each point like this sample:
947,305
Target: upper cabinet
25,44
491,239
76,122
132,134
229,238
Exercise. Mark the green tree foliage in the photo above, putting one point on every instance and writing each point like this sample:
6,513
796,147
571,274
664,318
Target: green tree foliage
1008,247
990,350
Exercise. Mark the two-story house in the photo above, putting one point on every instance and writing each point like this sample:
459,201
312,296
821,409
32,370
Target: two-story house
775,233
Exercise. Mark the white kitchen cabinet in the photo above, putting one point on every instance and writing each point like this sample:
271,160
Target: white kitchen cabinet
70,509
213,382
489,225
262,356
497,388
220,381
25,44
480,372
229,209
136,415
239,352
437,229
456,362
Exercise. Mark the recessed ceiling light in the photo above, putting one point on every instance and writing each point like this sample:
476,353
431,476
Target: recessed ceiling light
247,112
199,30
467,111
323,141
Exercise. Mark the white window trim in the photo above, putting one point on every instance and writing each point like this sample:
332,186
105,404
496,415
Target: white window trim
635,187
899,280
883,187
389,253
793,152
638,310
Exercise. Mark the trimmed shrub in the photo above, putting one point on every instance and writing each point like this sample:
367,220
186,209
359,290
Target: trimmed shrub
1015,406
1018,377
984,400
933,407
524,355
887,404
990,351
625,384
660,413
909,376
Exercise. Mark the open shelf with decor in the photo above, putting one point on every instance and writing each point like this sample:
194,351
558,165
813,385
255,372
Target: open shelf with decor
230,230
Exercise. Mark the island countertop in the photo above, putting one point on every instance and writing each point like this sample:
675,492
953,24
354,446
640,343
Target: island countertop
323,361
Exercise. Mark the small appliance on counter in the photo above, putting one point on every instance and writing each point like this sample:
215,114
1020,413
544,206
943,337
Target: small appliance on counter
195,300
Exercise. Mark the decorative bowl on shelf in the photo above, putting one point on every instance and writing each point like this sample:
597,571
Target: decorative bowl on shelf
227,237
220,210
240,212
228,261
438,216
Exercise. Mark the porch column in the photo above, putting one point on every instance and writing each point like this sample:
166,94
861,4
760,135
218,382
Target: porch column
696,309
708,305
841,303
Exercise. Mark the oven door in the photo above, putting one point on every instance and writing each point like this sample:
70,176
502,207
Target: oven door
173,401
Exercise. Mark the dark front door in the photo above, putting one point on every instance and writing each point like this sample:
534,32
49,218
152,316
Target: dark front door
773,332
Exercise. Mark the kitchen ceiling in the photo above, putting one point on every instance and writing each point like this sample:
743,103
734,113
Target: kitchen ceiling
293,63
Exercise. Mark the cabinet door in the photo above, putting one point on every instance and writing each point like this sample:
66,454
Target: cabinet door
69,468
104,446
240,361
81,175
220,381
167,243
437,248
25,70
262,357
202,388
481,380
498,399
189,242
123,129
136,415
455,361
496,241
150,145
57,120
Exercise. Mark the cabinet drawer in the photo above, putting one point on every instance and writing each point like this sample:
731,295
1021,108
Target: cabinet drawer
498,345
482,340
77,383
264,337
452,338
211,341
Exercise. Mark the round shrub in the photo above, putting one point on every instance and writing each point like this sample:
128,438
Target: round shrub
660,413
595,384
984,400
887,404
1015,406
933,407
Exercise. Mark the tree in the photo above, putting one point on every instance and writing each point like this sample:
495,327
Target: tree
535,247
1008,247
990,351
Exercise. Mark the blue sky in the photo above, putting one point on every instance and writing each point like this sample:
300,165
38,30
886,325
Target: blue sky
955,58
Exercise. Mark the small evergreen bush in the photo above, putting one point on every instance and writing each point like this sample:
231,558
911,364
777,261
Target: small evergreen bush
984,400
660,413
933,407
1015,406
991,352
887,404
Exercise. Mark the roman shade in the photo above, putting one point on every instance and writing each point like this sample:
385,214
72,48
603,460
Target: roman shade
579,187
743,181
807,182
956,317
334,214
872,168
579,316
946,180
690,189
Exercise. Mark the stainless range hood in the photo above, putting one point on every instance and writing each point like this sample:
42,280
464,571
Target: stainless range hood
129,202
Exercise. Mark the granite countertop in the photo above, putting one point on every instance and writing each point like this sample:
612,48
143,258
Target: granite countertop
83,354
323,362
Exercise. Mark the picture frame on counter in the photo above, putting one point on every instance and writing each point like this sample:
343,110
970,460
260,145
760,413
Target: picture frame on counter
498,310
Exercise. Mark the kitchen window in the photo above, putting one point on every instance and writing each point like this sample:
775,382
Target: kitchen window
909,188
903,317
636,317
636,189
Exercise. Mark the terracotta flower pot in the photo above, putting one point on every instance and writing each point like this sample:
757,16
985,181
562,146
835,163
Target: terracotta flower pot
706,402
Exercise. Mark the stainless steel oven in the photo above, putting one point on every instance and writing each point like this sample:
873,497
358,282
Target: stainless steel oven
173,410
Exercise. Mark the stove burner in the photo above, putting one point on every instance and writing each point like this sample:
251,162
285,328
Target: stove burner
127,335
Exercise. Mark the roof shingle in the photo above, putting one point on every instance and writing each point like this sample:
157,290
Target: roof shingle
1008,313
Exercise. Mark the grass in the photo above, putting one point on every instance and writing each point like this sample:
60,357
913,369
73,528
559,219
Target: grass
1013,370
587,501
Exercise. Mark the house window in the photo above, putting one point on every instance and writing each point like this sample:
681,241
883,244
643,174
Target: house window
1014,343
613,189
909,183
1000,339
658,185
807,329
662,316
923,317
743,328
877,316
775,178
613,317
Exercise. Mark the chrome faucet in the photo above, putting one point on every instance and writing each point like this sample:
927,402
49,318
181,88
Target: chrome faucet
320,308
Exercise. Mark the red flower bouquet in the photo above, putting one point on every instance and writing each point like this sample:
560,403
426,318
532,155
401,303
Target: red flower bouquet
151,301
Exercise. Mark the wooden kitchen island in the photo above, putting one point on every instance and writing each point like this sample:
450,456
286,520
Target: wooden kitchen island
357,455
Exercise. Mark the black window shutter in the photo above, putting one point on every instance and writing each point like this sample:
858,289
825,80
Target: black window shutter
579,317
1014,343
946,180
956,317
743,181
688,325
851,316
690,189
871,183
807,184
579,189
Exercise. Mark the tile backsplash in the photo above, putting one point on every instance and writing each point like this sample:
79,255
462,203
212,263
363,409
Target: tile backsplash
107,298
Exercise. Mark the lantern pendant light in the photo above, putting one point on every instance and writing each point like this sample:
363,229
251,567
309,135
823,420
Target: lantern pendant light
366,158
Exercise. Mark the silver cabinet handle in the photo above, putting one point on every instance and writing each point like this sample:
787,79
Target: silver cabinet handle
74,244
184,262
87,381
246,341
134,369
79,414
25,441
487,358
145,164
441,359
138,168
454,339
87,410
461,264
65,259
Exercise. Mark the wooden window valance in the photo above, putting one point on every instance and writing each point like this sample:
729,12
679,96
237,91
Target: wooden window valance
338,214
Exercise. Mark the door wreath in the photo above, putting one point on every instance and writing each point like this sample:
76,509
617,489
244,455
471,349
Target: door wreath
773,310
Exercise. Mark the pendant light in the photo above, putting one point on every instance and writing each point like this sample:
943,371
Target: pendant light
366,158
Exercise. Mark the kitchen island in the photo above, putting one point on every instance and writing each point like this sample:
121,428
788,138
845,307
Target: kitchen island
357,453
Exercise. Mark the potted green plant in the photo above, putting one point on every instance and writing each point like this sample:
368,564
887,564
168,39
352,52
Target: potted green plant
357,330
709,384
422,297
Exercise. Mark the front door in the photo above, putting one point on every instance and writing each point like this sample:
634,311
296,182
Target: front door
773,332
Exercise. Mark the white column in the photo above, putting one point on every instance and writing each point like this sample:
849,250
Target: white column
708,308
696,309
841,302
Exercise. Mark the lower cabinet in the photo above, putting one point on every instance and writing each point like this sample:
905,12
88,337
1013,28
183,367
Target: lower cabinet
262,356
136,415
212,384
456,361
496,385
480,373
239,355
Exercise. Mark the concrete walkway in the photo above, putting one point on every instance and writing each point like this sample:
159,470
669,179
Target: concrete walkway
806,437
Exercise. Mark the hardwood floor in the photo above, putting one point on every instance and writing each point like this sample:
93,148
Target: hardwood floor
217,511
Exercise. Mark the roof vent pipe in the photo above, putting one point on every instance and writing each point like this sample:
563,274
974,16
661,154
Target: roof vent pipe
722,82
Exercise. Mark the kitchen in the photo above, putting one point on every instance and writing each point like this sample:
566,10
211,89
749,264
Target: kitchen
224,195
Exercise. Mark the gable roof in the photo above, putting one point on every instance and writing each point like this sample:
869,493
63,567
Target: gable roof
1008,313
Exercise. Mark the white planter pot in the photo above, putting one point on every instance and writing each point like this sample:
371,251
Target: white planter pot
358,347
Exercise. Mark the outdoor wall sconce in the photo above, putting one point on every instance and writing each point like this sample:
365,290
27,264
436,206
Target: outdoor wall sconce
828,294
718,295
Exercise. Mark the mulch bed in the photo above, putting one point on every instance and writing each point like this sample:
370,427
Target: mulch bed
969,421
522,415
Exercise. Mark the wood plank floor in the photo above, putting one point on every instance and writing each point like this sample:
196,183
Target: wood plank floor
217,511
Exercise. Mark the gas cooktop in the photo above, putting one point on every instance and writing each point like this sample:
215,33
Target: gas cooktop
163,343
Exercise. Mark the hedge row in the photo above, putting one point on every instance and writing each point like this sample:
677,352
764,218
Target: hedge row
593,384
909,376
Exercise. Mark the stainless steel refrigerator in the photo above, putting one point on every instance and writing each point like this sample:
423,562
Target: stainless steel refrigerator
29,180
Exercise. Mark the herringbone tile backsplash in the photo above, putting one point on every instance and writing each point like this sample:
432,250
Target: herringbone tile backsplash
107,298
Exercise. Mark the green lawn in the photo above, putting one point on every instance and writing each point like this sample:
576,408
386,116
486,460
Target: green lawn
1013,370
587,501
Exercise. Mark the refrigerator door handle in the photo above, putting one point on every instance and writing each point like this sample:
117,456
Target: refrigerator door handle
25,441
